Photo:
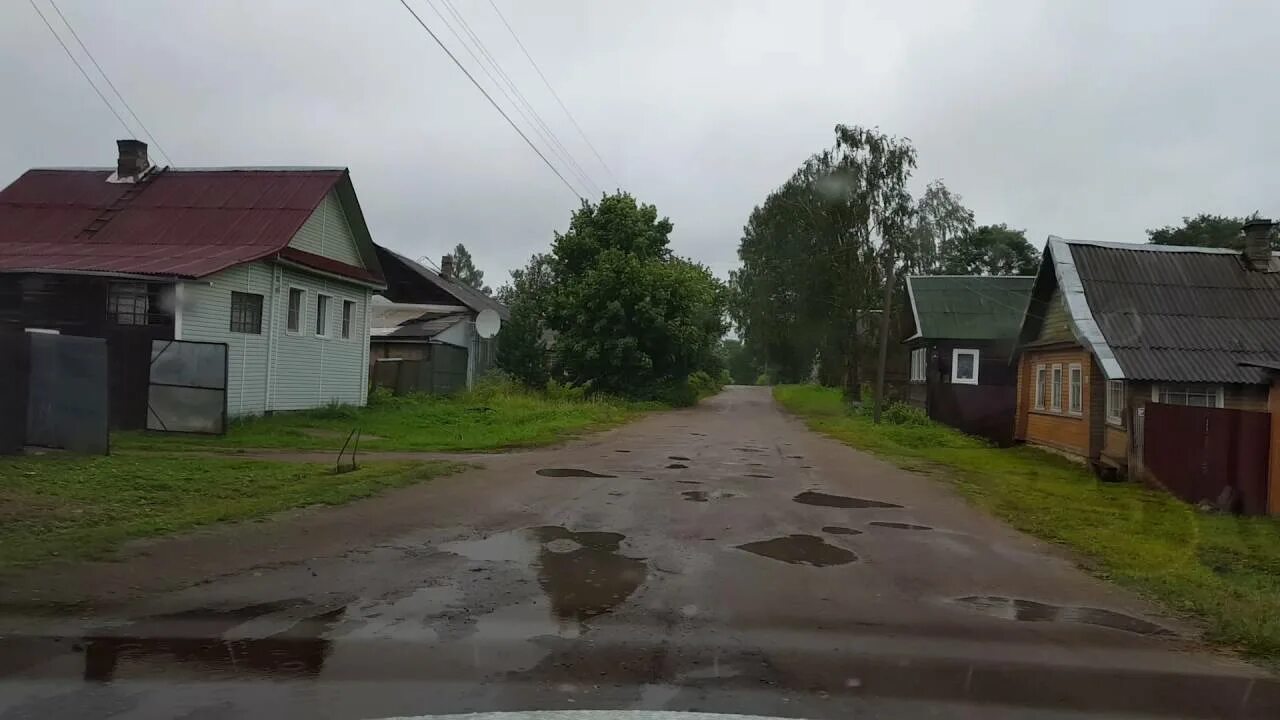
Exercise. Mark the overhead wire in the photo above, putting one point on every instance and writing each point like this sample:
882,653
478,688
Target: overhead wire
554,94
74,34
548,135
80,67
489,97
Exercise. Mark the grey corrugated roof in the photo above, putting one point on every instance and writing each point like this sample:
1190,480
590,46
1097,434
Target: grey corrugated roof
968,307
1180,315
423,329
465,294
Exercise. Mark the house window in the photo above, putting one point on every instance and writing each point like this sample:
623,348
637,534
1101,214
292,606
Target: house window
1055,389
1042,376
322,315
964,367
246,313
919,357
1197,395
348,308
1115,402
1075,389
133,303
294,322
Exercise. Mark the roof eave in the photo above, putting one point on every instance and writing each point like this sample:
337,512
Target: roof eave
1083,324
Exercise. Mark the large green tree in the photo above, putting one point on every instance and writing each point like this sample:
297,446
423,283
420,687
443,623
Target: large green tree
940,217
1203,230
522,342
465,270
989,250
629,317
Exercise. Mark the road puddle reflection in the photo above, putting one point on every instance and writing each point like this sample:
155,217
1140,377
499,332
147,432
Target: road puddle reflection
801,550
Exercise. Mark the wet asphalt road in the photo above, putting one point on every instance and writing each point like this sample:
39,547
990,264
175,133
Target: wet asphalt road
720,559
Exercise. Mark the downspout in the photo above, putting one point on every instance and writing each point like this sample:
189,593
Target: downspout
271,336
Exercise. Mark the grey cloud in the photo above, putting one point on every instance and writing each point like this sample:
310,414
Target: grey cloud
1079,119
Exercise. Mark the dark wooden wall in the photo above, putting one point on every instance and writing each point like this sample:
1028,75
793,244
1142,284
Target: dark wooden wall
77,305
988,409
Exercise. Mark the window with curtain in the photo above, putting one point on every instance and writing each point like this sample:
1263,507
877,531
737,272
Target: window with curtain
1075,389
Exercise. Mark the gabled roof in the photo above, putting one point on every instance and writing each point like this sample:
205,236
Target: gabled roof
968,307
174,223
464,294
1165,313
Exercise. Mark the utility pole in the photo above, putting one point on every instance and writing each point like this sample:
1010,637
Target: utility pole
884,331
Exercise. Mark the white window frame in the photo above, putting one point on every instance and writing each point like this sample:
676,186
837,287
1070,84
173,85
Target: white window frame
347,320
1075,401
302,310
1042,375
919,363
1219,395
955,363
322,326
1055,387
1115,410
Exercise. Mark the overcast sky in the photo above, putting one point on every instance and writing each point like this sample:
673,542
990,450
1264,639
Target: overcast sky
1081,119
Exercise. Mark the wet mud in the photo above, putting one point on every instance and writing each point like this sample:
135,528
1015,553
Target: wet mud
801,550
810,497
677,466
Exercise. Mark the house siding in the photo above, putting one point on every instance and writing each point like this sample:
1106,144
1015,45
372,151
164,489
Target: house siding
1061,430
1057,321
206,317
309,370
327,233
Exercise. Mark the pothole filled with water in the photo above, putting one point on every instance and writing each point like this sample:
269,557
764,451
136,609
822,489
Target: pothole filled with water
801,550
810,497
571,472
899,525
1032,611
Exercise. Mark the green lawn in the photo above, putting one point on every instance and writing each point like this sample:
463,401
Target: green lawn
1221,570
75,507
470,421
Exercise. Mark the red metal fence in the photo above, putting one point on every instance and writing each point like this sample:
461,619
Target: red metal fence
1197,452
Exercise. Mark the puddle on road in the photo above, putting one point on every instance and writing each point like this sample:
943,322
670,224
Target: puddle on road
801,550
689,482
899,525
795,457
839,530
759,475
622,451
194,638
571,472
810,497
677,466
750,449
1032,611
677,457
705,495
583,573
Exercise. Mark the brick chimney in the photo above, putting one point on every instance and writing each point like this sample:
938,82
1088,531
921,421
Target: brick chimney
132,163
446,267
1257,233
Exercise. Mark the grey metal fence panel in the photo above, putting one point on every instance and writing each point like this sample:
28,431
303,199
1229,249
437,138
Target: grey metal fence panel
67,393
188,390
450,369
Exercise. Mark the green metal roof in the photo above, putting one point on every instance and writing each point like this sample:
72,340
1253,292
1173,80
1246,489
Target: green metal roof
968,307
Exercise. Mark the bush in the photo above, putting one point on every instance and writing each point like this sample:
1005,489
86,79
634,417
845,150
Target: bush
379,395
557,390
678,393
904,414
335,410
495,383
764,379
703,385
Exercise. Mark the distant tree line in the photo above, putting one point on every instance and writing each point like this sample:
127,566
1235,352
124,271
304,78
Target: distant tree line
819,254
1205,230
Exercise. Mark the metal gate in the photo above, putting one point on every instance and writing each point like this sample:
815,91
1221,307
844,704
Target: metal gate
67,393
188,390
1197,452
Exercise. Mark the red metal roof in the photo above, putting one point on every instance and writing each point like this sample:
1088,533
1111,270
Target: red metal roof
185,223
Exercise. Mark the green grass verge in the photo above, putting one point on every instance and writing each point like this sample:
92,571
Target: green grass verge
466,422
1221,570
76,507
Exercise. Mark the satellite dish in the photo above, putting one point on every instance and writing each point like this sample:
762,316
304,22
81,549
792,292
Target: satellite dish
488,324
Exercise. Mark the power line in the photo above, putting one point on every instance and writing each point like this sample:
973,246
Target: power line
547,134
110,84
80,67
488,97
554,94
